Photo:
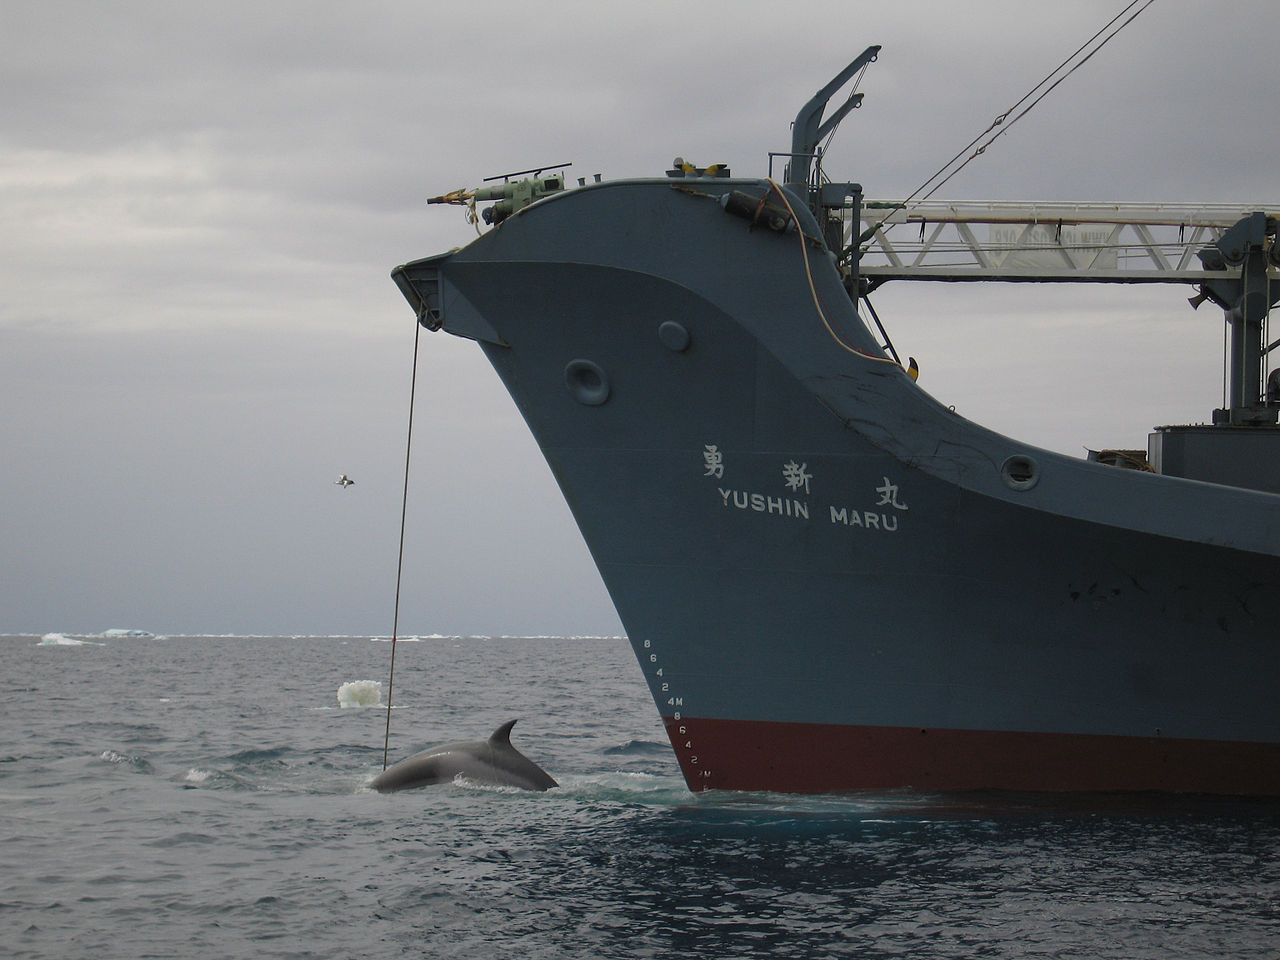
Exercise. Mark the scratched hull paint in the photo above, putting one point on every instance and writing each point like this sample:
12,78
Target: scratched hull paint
831,581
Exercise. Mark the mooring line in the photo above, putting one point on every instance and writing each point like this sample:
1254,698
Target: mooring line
404,509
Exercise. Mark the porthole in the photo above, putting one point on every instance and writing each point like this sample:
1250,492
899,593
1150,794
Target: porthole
587,382
674,336
1020,472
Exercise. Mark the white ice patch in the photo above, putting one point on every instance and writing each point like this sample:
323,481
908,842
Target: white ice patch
62,640
360,693
196,775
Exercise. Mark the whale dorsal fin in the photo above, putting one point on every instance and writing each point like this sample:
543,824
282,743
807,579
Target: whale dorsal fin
502,736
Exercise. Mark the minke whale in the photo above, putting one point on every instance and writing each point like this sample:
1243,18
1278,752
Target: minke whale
493,761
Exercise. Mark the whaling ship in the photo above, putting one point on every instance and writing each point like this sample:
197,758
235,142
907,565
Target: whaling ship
831,580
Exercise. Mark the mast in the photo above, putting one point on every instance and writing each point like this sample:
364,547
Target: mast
1248,249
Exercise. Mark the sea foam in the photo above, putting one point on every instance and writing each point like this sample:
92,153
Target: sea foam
360,693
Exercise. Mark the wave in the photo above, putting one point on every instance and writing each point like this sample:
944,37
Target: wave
486,637
205,777
116,633
638,748
130,761
608,788
620,787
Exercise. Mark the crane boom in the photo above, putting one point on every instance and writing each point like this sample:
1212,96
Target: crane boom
1043,242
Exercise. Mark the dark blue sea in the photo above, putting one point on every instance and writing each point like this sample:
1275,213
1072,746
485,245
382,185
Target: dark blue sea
204,797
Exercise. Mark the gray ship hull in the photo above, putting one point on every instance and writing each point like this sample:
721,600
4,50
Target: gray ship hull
831,581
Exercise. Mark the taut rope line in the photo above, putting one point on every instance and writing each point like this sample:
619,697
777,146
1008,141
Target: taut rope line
404,509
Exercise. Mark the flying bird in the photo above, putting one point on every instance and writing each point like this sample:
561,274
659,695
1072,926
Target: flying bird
344,481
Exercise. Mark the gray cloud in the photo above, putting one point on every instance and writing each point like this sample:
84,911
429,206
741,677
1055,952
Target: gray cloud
201,206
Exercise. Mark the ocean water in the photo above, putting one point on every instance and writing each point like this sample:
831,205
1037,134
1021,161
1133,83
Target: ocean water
204,797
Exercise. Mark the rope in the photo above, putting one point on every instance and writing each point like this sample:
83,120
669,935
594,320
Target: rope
404,509
999,121
813,289
853,92
1055,83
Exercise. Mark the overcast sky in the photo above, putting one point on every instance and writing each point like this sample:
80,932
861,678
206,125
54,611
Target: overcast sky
200,205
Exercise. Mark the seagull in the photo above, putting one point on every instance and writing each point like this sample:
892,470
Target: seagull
344,481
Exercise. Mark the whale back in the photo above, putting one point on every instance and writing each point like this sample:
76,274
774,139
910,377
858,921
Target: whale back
493,761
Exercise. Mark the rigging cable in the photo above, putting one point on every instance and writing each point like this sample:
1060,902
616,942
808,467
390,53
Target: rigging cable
853,92
999,121
404,509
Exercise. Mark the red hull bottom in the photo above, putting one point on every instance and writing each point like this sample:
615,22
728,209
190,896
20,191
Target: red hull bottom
824,758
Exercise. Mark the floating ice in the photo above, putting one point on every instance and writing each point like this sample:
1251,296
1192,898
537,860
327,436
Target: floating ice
360,693
63,640
118,632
